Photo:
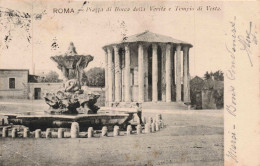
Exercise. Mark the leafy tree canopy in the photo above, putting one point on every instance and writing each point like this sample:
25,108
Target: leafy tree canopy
218,75
51,76
95,77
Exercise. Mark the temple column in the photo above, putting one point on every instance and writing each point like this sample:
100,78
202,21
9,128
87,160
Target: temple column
178,73
168,73
185,74
140,73
117,75
155,73
110,75
173,90
127,75
188,64
106,78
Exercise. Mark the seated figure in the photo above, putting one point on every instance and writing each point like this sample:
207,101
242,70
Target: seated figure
72,85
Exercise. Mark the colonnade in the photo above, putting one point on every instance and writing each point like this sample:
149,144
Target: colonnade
113,72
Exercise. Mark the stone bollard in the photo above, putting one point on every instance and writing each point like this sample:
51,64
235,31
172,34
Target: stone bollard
138,129
129,130
157,126
14,133
104,131
26,132
159,117
153,127
147,128
74,131
90,132
155,119
162,124
144,120
48,133
150,120
189,107
60,133
116,131
5,132
38,133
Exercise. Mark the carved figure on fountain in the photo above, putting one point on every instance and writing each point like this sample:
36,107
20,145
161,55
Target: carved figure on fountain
72,99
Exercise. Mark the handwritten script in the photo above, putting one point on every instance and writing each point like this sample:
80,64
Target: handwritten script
248,40
238,45
231,107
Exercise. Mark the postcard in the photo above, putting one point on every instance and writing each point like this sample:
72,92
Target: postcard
129,83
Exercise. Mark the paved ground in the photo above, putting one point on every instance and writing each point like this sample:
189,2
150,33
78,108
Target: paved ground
190,138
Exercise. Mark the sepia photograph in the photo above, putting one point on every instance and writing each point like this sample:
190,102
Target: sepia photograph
126,82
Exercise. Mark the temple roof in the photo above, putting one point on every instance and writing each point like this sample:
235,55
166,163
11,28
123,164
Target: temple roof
151,37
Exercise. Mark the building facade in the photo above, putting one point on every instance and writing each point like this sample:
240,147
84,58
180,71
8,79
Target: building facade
14,83
18,84
147,67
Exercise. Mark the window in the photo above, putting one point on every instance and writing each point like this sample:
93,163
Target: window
11,83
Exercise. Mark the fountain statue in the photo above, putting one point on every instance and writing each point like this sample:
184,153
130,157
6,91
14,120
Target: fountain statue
72,99
73,103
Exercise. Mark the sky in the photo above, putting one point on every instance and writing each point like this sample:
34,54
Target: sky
90,31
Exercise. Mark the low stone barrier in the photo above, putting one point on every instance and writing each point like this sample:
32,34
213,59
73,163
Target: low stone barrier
153,125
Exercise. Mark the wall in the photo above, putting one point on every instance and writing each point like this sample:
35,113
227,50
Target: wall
21,83
45,88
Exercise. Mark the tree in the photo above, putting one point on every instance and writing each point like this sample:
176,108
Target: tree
207,76
95,77
52,76
218,75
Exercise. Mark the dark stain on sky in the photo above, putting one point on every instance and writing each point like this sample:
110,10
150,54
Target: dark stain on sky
14,20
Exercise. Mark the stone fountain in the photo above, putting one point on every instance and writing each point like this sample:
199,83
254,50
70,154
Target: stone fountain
73,103
72,99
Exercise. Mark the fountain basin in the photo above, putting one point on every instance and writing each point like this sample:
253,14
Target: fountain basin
43,121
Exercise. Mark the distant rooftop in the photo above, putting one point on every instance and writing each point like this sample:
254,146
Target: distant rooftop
14,70
148,36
